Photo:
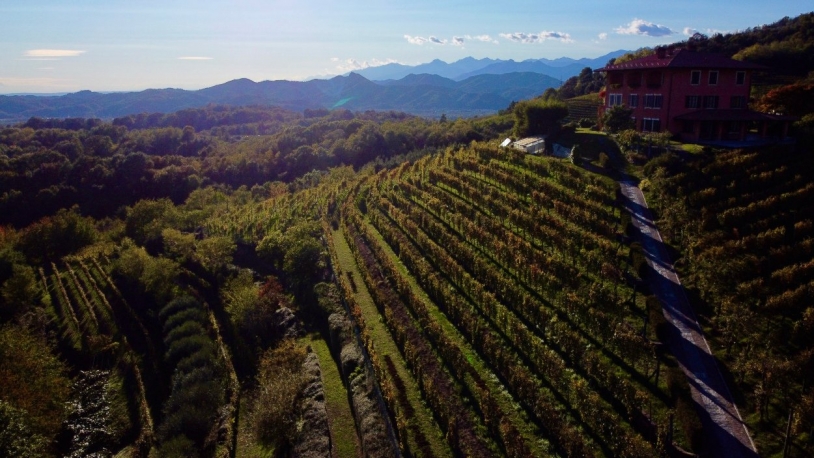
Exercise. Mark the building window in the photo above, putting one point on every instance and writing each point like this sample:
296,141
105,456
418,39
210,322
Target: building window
737,101
692,101
634,79
695,77
614,99
713,77
688,127
634,100
710,102
651,125
654,79
740,78
652,100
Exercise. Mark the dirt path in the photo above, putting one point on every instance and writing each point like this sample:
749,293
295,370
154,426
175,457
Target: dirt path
726,434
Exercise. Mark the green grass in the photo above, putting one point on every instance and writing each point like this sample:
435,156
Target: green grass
691,148
385,346
340,417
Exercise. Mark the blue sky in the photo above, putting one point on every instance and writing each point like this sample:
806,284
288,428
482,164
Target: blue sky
113,45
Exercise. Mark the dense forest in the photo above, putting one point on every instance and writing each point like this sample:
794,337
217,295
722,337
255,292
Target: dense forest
256,282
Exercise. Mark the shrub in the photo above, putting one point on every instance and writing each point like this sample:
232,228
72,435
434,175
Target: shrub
538,117
16,436
279,381
617,119
180,318
604,160
189,328
178,305
188,346
33,380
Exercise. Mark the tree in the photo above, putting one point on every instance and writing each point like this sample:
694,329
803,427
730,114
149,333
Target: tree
147,218
53,237
793,99
215,252
33,380
538,117
19,292
16,436
617,119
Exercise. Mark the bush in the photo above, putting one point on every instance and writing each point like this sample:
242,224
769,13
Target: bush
279,382
178,305
16,436
538,117
189,328
197,315
188,346
617,119
33,380
604,160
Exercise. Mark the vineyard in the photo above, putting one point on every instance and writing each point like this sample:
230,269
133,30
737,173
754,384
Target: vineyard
583,107
504,282
92,317
743,221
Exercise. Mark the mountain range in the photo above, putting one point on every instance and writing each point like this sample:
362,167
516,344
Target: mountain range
561,68
464,88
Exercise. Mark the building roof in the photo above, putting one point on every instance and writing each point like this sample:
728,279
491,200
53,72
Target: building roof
732,115
681,58
529,141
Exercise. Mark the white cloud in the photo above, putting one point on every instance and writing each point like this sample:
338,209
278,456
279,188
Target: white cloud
483,38
40,53
349,65
642,27
194,58
603,36
520,37
689,31
454,41
416,40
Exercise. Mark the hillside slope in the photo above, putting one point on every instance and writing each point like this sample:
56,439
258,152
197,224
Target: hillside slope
413,94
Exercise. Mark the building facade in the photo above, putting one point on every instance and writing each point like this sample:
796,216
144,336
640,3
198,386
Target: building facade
695,96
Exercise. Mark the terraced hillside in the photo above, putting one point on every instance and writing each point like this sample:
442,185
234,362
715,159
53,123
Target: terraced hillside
504,282
582,107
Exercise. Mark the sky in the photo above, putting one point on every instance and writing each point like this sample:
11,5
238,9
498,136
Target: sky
57,46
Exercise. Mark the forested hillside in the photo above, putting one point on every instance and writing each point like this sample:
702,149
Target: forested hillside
46,165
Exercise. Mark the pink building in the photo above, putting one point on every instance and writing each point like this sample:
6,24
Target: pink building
695,96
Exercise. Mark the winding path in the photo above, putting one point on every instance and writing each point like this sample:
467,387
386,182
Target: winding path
726,434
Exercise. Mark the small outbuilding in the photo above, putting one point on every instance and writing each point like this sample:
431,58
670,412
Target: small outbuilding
531,145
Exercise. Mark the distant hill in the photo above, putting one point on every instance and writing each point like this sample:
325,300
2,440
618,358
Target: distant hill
562,68
429,95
